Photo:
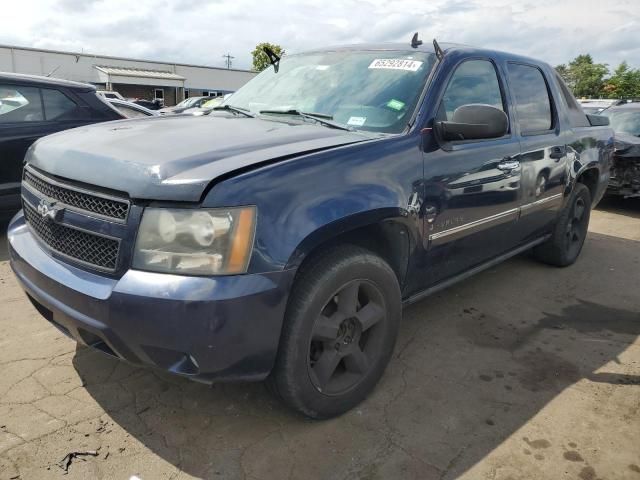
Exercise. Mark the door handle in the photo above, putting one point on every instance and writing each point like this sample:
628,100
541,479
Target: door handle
508,164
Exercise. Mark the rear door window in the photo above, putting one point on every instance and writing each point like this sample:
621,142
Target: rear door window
533,105
20,104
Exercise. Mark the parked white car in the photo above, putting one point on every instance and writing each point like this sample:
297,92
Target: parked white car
130,109
109,94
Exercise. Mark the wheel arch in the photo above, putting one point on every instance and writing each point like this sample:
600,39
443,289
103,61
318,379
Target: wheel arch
385,232
589,177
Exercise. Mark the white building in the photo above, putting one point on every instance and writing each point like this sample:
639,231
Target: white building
132,78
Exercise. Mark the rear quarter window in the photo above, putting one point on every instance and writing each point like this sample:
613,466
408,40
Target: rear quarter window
577,117
57,106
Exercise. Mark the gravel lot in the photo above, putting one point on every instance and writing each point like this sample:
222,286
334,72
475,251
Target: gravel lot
523,372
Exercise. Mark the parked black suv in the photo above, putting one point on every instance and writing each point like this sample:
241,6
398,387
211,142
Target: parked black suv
281,235
32,107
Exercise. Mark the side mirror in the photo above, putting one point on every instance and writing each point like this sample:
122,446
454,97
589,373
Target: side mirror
473,122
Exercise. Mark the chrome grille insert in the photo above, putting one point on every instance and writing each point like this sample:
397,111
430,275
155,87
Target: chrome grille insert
90,202
95,251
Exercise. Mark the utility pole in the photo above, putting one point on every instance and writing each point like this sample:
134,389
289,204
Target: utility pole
228,59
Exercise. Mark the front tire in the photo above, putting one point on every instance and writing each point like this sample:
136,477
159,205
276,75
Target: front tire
570,232
339,332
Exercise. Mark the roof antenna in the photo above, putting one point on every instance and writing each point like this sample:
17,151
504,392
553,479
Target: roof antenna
415,43
439,52
274,59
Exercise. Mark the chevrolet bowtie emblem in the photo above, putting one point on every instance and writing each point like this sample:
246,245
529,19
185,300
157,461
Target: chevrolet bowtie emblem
49,210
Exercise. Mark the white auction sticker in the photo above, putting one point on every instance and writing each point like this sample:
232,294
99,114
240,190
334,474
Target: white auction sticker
357,121
396,64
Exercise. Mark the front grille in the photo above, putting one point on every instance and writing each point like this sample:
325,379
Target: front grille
93,250
106,207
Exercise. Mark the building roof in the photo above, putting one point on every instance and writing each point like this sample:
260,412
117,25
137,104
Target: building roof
38,80
92,55
139,72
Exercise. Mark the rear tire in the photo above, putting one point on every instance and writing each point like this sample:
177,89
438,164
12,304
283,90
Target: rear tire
570,232
339,332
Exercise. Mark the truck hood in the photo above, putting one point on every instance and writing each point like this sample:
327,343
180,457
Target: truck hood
176,157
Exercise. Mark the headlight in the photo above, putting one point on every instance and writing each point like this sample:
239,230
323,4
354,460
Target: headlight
195,241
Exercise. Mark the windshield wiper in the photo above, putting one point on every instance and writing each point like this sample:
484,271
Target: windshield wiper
318,117
231,108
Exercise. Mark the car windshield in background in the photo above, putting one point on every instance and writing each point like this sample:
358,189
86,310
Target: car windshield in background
214,102
187,102
624,121
366,90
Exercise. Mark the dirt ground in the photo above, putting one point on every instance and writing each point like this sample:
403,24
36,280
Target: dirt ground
523,372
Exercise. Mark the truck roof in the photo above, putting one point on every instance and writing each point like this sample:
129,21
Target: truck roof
39,80
427,47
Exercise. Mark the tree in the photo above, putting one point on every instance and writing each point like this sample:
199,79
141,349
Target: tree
583,76
260,59
588,77
624,83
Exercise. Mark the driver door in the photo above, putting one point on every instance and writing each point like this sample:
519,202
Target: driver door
472,187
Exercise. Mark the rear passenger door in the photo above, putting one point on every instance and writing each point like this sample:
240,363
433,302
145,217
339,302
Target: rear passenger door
472,187
543,159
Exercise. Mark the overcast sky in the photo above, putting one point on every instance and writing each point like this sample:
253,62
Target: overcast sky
201,31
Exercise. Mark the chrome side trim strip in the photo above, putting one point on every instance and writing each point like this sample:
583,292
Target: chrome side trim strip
502,217
539,204
472,227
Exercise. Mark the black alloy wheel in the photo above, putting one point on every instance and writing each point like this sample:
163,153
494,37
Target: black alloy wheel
339,331
346,333
576,227
570,231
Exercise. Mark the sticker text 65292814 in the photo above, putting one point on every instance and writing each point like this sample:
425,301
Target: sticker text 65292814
396,64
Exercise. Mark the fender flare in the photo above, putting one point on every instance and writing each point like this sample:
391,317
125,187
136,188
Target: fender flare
393,216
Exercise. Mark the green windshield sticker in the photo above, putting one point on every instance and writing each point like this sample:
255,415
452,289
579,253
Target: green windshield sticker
395,104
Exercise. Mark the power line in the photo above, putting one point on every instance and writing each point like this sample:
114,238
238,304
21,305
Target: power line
228,58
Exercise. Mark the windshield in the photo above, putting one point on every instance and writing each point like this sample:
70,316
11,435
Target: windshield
625,121
212,103
367,90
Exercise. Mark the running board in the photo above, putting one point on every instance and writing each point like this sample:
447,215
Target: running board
469,273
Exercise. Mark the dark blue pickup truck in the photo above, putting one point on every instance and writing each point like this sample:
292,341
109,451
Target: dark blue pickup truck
279,237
